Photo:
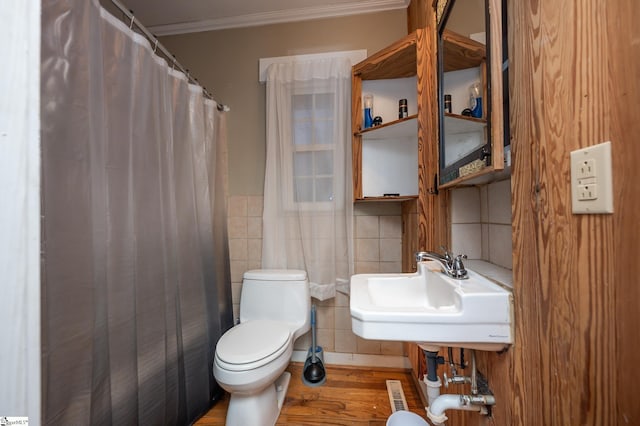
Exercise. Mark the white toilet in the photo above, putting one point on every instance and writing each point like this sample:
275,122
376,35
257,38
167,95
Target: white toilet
251,357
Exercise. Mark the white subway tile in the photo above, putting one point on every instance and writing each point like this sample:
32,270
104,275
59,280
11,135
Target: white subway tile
500,247
345,341
238,249
237,206
390,250
367,227
254,205
367,249
500,202
465,205
237,227
390,227
254,227
467,239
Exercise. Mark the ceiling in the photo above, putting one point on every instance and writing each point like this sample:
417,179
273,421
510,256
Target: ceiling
164,17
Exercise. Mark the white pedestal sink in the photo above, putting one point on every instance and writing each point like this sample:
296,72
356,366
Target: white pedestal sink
431,308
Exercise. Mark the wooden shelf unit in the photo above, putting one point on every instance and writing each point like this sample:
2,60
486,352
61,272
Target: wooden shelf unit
402,59
460,53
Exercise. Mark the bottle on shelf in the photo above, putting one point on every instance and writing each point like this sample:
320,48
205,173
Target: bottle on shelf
368,110
475,100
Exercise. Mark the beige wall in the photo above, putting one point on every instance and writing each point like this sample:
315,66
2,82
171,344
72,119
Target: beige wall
226,63
467,17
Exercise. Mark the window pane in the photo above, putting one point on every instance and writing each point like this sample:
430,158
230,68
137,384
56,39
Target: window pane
302,164
324,189
323,132
302,107
324,162
302,133
303,190
324,105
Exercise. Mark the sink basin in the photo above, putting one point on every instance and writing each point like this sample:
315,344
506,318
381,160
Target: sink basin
428,307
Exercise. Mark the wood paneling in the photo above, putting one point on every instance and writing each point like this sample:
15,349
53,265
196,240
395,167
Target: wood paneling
430,204
564,350
409,235
351,396
575,81
623,49
573,77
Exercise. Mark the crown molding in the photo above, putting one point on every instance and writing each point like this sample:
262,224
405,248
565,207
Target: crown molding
277,17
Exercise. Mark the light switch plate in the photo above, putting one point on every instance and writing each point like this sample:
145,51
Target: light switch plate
591,180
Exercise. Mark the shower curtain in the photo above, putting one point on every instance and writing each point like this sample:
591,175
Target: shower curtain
135,264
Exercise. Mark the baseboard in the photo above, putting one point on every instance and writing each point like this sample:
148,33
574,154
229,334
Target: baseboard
359,360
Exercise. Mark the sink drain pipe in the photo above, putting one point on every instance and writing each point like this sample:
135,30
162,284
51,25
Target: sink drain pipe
431,379
474,402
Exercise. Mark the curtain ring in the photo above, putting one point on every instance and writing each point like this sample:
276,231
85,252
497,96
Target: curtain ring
155,46
132,19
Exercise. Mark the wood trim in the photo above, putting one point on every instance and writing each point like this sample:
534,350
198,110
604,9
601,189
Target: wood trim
356,139
495,67
417,15
395,61
432,206
623,87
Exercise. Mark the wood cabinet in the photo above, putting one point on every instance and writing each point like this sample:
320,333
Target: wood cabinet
385,157
411,59
472,148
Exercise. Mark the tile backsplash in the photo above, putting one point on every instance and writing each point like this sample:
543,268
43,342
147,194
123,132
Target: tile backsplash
481,222
378,248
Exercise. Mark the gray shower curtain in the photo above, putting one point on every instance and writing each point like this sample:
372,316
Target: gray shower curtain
135,264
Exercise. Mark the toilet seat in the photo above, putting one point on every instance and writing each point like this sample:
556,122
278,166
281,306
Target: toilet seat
252,344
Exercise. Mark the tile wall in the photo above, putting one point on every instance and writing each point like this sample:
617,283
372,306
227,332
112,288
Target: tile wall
378,248
481,222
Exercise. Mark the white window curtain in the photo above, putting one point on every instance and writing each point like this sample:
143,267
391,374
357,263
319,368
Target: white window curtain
308,209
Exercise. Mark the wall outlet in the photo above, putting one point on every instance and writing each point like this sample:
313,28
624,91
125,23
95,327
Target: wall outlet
587,168
591,180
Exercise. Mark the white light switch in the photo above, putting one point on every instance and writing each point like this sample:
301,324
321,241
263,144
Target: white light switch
591,181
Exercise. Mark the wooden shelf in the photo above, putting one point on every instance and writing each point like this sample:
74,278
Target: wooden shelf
483,177
387,198
405,127
455,124
461,52
396,61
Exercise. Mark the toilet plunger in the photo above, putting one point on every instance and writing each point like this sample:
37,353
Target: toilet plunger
314,372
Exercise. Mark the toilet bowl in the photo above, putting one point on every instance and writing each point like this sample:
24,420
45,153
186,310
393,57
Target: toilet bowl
251,358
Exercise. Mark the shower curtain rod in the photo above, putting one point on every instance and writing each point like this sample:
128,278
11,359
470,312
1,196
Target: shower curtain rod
157,45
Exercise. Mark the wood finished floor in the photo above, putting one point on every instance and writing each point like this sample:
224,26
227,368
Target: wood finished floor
351,396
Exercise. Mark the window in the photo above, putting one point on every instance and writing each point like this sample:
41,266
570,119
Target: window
312,149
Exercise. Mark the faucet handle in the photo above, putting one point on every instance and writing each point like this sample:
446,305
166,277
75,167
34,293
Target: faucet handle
445,251
458,267
447,255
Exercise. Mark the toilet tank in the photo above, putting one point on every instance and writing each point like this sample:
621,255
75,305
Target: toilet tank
277,294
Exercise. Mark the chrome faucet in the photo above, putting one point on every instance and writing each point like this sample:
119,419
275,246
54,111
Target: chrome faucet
452,266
